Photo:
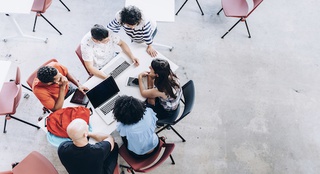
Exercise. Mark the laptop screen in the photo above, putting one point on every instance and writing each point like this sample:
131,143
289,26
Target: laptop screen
103,92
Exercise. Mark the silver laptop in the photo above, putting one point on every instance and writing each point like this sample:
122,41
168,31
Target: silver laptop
103,97
117,67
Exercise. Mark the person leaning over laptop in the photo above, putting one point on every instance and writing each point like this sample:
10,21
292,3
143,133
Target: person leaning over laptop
80,157
98,48
136,125
52,85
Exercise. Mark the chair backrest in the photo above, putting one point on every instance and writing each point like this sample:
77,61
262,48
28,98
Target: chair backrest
35,163
238,8
79,54
34,74
148,164
188,99
41,6
256,3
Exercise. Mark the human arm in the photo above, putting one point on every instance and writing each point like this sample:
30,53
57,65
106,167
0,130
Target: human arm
99,136
62,92
148,92
72,79
115,25
151,51
94,71
125,48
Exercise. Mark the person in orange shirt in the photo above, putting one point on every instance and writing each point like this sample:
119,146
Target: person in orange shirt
52,85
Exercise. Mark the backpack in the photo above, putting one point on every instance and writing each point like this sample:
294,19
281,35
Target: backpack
58,121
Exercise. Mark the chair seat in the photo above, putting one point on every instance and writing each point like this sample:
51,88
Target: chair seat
171,119
233,8
9,89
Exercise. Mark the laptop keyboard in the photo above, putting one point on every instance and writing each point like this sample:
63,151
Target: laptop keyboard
109,106
119,69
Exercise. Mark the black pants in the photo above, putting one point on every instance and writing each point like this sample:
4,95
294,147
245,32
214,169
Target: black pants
136,156
111,162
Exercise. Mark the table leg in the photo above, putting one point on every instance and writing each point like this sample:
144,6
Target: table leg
19,32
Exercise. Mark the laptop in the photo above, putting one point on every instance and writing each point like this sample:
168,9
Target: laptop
117,67
103,97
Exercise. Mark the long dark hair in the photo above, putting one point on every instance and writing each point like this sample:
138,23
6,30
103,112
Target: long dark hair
166,79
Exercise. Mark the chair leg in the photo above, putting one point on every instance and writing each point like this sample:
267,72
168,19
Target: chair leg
163,128
35,22
219,11
231,28
185,3
247,28
161,45
172,161
183,140
50,24
27,87
64,5
5,125
24,122
200,7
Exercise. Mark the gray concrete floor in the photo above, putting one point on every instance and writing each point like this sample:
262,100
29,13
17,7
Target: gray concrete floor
257,100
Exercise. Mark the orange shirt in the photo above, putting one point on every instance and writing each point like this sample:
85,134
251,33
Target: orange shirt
48,94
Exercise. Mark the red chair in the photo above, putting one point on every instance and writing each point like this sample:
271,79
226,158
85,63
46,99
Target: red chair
40,7
148,164
34,163
33,76
10,96
238,9
79,54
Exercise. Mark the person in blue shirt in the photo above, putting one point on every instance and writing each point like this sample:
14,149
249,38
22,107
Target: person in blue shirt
136,125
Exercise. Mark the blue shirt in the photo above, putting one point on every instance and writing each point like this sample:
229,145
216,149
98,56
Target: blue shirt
141,136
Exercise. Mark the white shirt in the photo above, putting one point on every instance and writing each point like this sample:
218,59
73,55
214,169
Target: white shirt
99,53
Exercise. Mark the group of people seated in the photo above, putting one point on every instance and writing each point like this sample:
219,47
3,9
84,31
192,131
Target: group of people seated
136,120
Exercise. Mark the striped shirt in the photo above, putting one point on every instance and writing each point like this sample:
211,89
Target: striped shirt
141,33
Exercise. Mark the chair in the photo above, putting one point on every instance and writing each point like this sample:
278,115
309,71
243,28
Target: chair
238,9
185,3
64,5
33,76
188,101
10,96
40,7
34,163
148,164
79,54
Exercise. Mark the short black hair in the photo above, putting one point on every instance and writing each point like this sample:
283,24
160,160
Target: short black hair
128,110
99,32
130,15
46,74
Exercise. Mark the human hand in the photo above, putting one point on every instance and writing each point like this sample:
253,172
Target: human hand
63,82
152,52
83,89
135,61
143,74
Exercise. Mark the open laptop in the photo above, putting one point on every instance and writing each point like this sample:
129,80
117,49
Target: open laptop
103,97
117,67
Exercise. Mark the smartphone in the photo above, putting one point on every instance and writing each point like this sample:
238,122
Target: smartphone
132,81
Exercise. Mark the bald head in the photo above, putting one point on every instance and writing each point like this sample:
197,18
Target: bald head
77,129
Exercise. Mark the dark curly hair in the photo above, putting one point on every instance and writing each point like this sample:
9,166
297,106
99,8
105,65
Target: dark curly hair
99,32
128,110
46,74
130,15
166,78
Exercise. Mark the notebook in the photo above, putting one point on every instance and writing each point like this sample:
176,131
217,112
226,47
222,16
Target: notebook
117,67
103,97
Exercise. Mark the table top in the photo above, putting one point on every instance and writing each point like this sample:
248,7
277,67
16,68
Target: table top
139,50
159,10
4,68
16,6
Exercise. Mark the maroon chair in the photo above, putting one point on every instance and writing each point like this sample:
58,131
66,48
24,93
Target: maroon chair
34,163
40,7
148,164
79,54
238,9
10,96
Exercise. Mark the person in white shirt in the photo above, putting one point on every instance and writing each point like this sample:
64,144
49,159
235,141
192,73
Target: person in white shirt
98,47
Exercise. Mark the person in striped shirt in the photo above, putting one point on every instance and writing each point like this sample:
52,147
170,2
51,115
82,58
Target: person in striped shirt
136,25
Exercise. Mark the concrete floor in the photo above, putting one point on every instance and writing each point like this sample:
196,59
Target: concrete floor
257,100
